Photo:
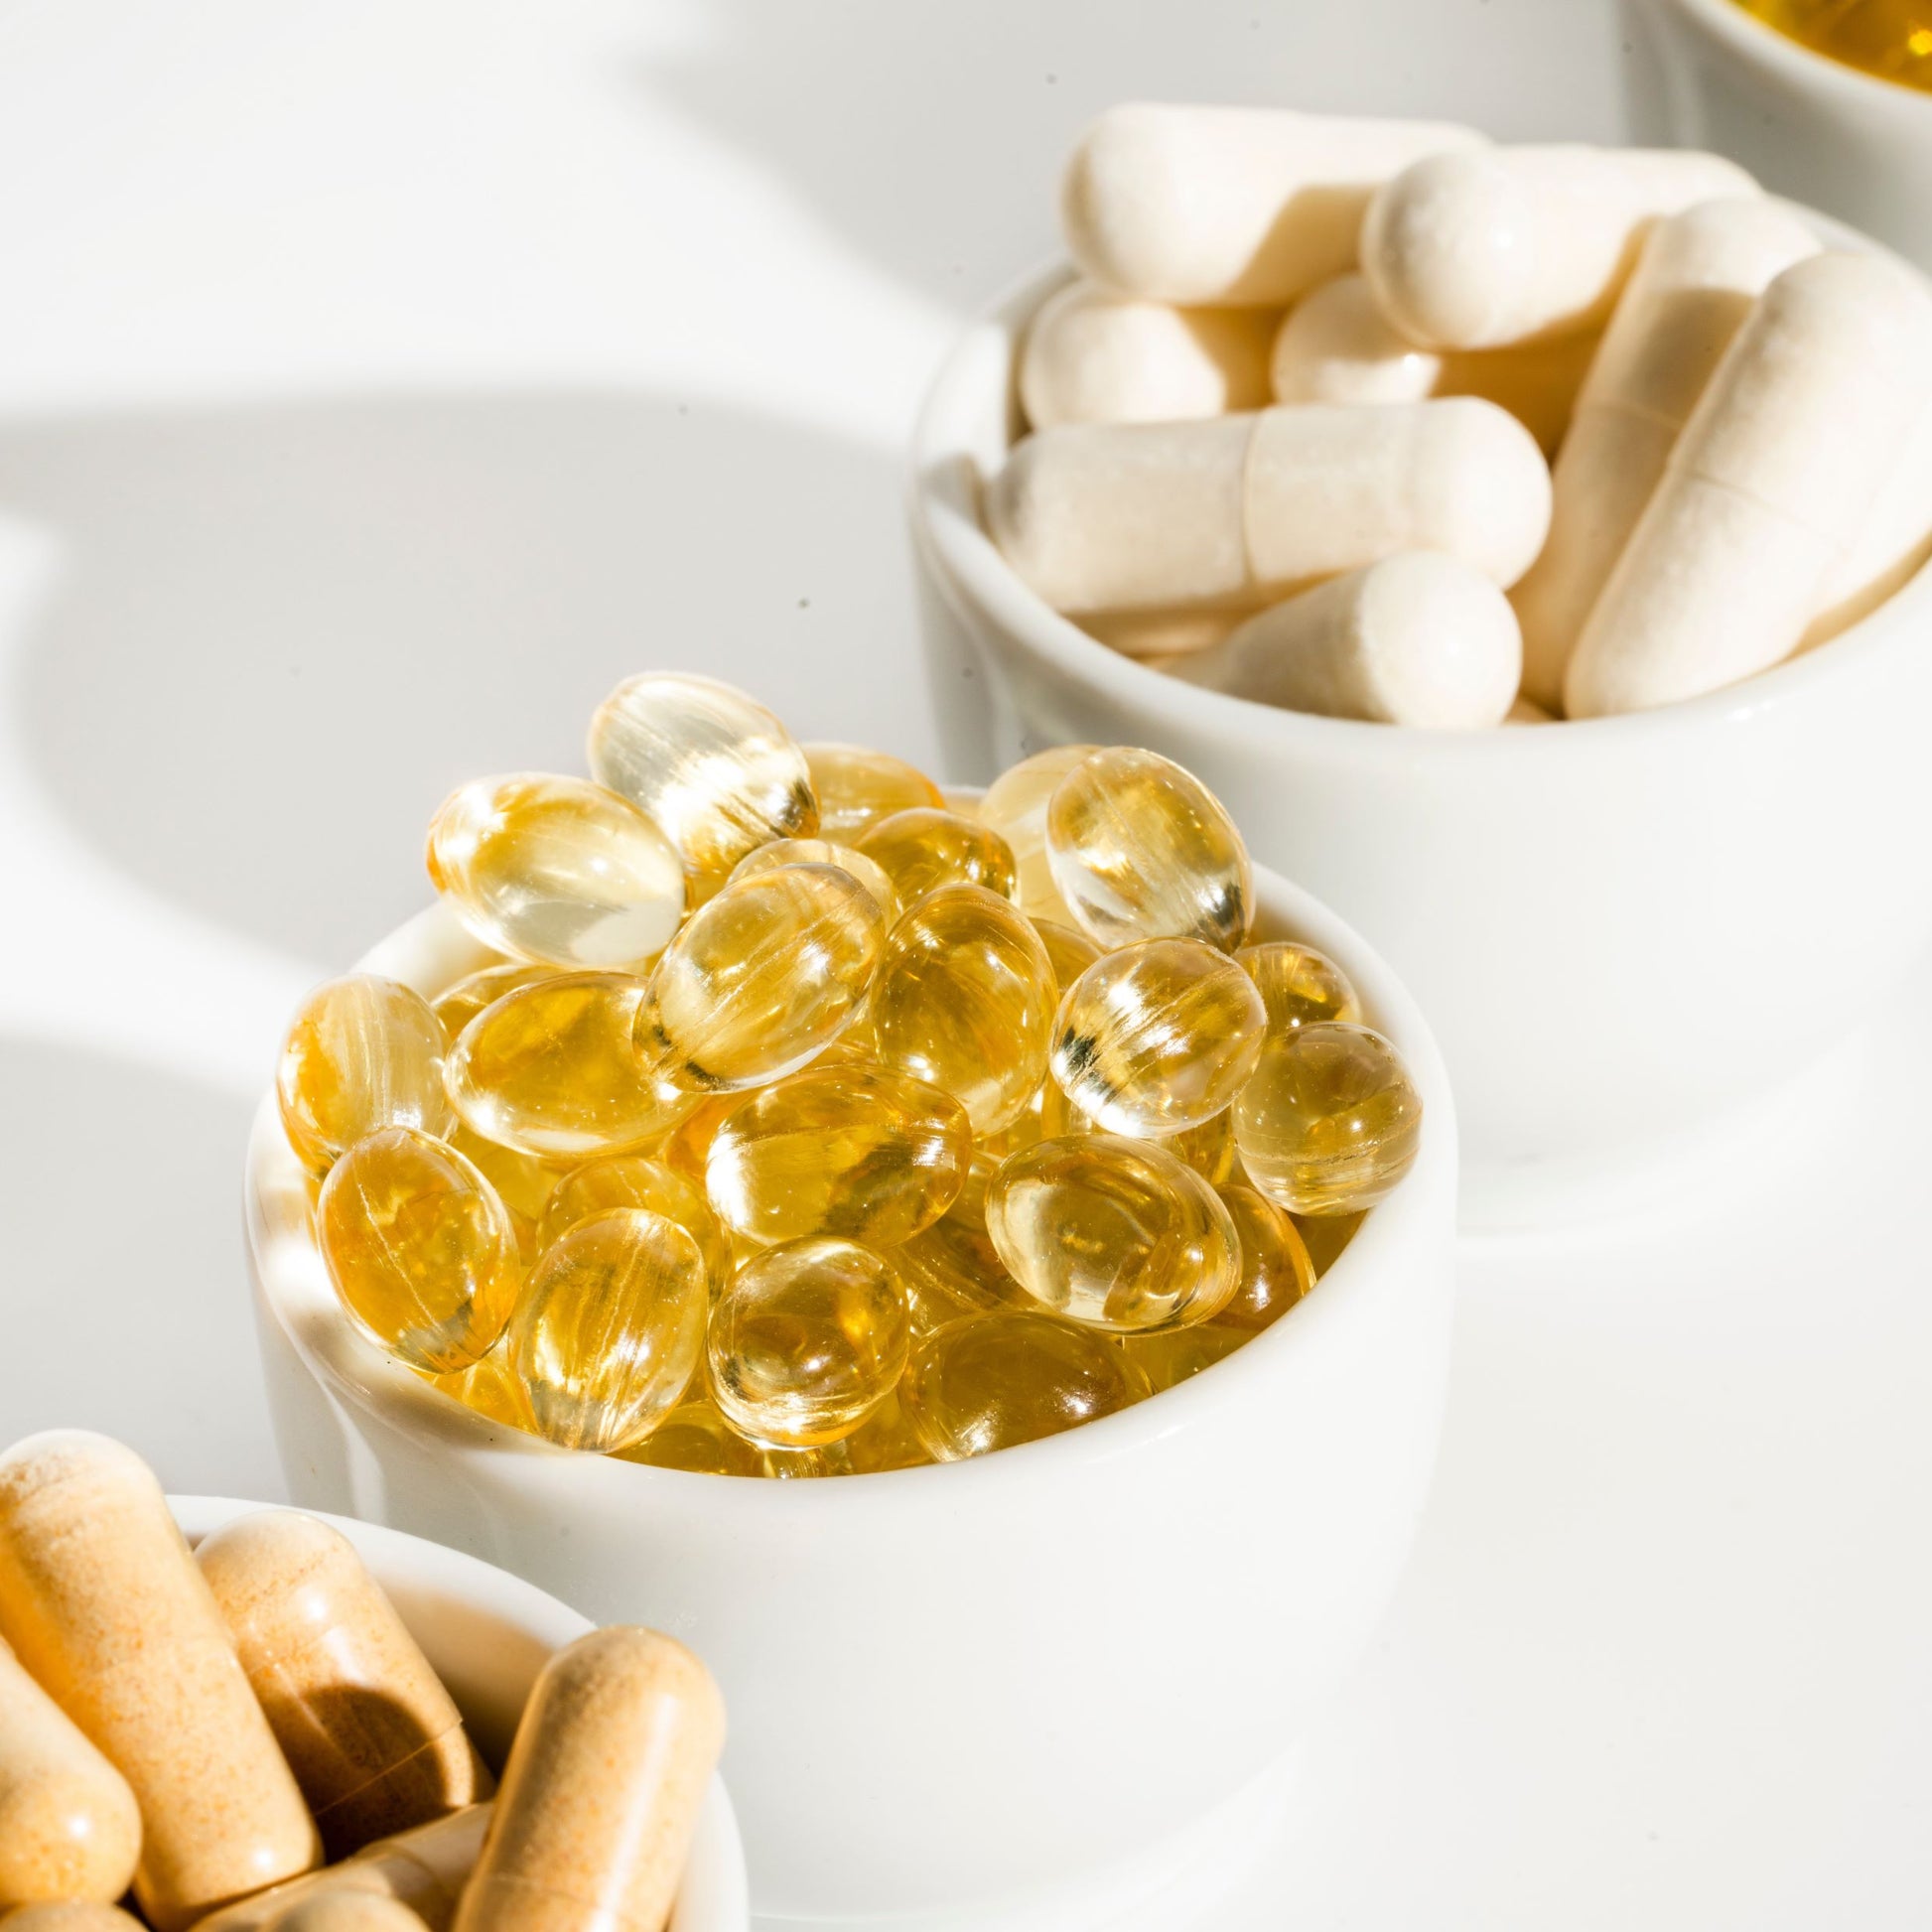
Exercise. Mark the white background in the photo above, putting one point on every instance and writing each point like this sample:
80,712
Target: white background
380,382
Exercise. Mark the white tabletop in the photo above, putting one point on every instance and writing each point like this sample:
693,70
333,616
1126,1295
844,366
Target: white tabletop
380,382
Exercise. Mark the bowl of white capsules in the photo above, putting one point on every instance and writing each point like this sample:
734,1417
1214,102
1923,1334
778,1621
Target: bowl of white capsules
1525,543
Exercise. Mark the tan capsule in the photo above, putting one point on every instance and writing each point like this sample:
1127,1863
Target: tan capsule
68,1915
857,788
923,848
1014,806
632,1181
822,852
347,1911
372,1736
601,1792
101,1601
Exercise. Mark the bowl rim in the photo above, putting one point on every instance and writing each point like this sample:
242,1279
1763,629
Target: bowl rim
1758,40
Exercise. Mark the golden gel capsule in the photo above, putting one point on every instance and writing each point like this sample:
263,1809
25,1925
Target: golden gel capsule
554,1070
1114,1233
1326,1236
102,1604
1141,849
989,1382
1208,1149
1890,38
1157,1038
601,1792
1014,806
860,1151
689,1145
1171,1356
822,852
807,1342
557,870
952,1268
1275,1271
455,1006
69,1828
488,1389
885,1440
695,1438
608,1329
1069,950
1299,985
925,847
422,1252
762,978
963,1000
522,1181
362,1053
1331,1121
715,772
633,1181
857,788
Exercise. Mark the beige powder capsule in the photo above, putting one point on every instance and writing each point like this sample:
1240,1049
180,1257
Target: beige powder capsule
69,1915
347,1911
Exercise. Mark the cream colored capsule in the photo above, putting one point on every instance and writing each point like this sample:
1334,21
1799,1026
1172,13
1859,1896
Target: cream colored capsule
69,1915
347,1911
1144,517
1243,205
1475,250
1416,640
103,1603
372,1736
1694,284
1155,635
601,1791
1890,546
1765,490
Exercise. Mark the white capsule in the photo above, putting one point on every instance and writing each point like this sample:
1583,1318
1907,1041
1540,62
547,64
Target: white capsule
1151,635
1475,250
1692,288
1239,206
1125,517
1765,490
1891,544
1414,640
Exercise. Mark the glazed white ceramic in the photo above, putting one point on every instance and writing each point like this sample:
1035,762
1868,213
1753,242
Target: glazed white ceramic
1023,1691
486,1634
1705,73
1624,933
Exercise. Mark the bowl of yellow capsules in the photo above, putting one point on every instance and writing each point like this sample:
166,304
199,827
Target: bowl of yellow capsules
1524,542
254,1720
977,1268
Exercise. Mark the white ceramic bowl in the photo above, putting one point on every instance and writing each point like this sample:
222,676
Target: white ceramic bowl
1624,932
487,1634
1042,1682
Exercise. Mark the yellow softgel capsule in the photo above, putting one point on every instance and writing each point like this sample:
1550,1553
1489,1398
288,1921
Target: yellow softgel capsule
1276,1268
1141,849
714,771
952,1268
925,848
1113,1234
488,1389
806,1343
455,1006
558,871
1175,1355
1157,1038
822,852
1326,1236
990,1382
635,1181
857,788
695,1438
522,1181
963,1000
1891,39
420,1249
1330,1120
1298,986
554,1070
1208,1149
762,978
860,1151
362,1053
1014,806
608,1329
688,1146
1069,950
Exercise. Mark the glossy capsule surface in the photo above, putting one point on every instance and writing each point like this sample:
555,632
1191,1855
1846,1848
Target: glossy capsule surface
1141,849
1069,950
927,846
1157,1038
762,978
1171,1356
419,1247
806,1343
522,1181
455,1006
1299,985
1330,1120
609,1328
1276,1270
822,852
694,1436
1014,806
362,1053
558,871
952,1268
963,1000
860,1151
1113,1234
857,788
488,1389
634,1181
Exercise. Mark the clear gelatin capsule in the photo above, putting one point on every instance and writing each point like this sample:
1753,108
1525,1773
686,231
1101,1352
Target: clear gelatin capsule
421,1251
762,978
715,772
857,788
1330,1120
990,1382
860,1151
1069,950
1014,806
362,1053
689,1143
1113,1234
822,852
608,1329
522,1181
558,871
964,998
1175,1355
554,1070
696,1437
925,848
1208,1149
1276,1270
1326,1236
1298,986
455,1006
488,1389
1141,849
806,1343
635,1181
1157,1038
952,1268
883,1440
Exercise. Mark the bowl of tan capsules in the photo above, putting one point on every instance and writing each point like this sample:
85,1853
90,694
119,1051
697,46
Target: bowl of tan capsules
1525,543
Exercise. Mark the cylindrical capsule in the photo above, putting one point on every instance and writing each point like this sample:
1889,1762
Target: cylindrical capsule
858,786
373,1738
1014,806
101,1603
337,1910
1276,1270
1299,984
922,849
632,1181
601,1792
1890,547
822,852
1156,637
1245,205
68,1915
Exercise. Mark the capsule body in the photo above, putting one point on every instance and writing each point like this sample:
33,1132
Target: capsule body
68,1915
856,787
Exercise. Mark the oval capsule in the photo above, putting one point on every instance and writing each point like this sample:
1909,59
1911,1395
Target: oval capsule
822,852
455,1006
925,848
1014,806
857,788
1275,1268
952,1268
1299,985
633,1181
